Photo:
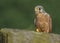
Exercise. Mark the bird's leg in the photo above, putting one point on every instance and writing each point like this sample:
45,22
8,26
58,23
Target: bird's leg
38,30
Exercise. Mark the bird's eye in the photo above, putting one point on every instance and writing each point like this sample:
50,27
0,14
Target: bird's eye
39,9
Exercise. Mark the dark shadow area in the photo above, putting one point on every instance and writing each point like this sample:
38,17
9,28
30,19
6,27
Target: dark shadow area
3,38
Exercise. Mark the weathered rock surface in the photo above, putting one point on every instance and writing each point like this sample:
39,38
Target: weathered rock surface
25,36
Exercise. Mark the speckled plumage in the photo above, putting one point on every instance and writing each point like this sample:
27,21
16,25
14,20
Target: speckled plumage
43,21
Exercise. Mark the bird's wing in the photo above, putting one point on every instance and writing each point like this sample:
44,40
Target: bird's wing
50,23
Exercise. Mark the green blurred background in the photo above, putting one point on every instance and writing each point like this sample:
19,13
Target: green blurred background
20,13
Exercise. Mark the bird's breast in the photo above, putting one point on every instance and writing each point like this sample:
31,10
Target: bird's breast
42,17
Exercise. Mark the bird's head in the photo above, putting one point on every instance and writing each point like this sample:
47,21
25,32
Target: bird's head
39,9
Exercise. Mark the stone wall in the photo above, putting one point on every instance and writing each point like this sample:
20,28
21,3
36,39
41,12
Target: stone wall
26,36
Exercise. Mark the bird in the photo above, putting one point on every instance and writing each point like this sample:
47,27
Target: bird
42,20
